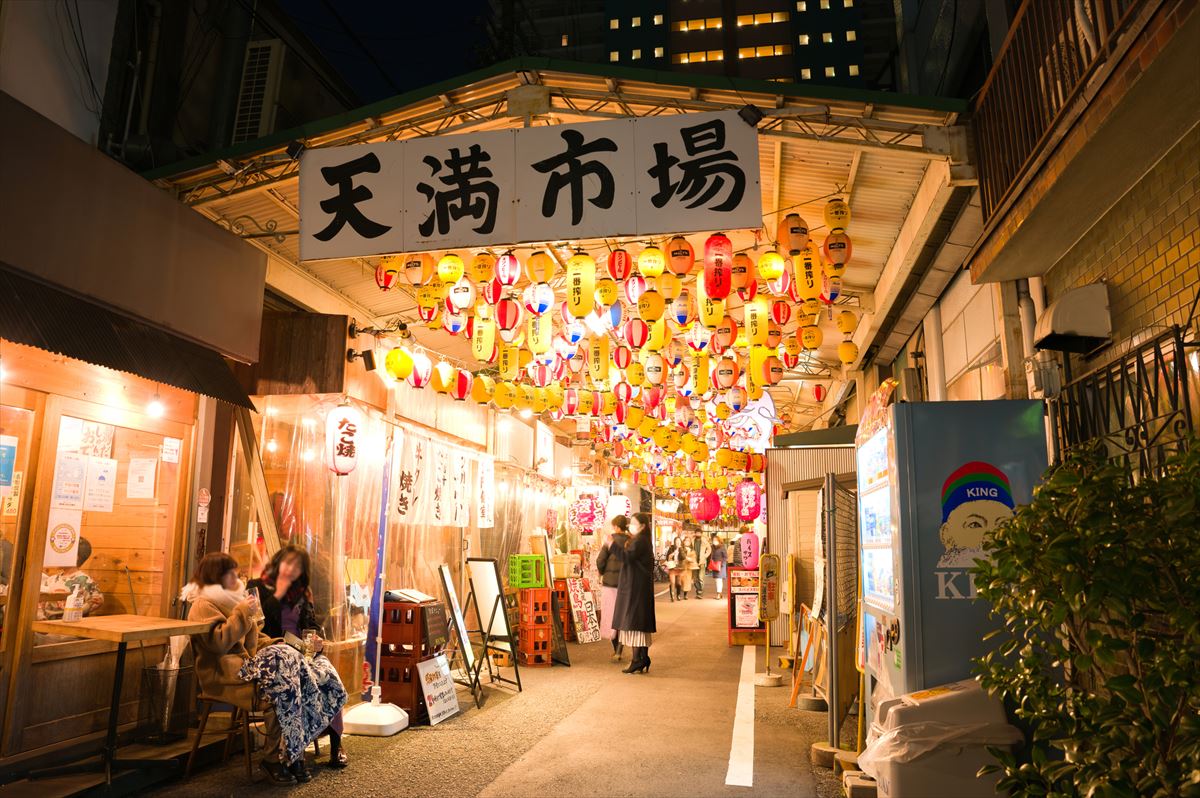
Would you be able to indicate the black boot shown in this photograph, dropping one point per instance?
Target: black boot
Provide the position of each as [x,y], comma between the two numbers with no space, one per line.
[337,757]
[635,664]
[278,772]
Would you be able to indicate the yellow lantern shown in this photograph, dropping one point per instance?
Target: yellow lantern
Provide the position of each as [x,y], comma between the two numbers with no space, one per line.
[505,395]
[598,358]
[524,398]
[660,335]
[419,268]
[483,267]
[846,322]
[483,389]
[539,334]
[837,215]
[540,267]
[701,381]
[450,268]
[398,363]
[606,291]
[758,358]
[847,352]
[755,391]
[770,265]
[541,400]
[669,285]
[427,296]
[555,394]
[651,262]
[634,417]
[581,284]
[508,361]
[757,317]
[710,311]
[635,374]
[607,401]
[722,411]
[811,337]
[443,376]
[483,339]
[792,345]
[647,427]
[651,306]
[700,452]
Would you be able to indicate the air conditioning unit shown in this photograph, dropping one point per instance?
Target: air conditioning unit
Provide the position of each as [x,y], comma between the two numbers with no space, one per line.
[258,97]
[1043,375]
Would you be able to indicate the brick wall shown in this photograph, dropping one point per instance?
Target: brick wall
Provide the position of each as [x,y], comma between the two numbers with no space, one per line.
[1146,248]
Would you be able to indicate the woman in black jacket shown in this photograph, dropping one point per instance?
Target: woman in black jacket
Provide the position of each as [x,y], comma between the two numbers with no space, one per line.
[633,615]
[287,606]
[609,563]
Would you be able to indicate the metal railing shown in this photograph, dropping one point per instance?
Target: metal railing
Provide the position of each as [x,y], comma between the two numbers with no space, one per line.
[1052,50]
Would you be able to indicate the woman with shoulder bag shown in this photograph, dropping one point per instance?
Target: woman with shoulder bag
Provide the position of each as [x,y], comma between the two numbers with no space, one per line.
[717,562]
[674,566]
[609,563]
[633,615]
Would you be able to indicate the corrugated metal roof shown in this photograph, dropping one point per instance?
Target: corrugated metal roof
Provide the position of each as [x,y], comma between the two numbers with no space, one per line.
[36,314]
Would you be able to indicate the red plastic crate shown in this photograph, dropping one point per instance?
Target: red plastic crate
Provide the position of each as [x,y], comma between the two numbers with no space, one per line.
[402,630]
[535,659]
[535,606]
[401,685]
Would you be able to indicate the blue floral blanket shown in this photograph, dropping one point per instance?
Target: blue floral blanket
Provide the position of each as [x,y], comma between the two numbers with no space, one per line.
[306,694]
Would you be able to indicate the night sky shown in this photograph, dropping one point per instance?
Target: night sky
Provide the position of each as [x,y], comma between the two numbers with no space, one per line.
[401,44]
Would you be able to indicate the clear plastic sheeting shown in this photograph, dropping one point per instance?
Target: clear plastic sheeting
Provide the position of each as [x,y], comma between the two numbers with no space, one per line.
[912,740]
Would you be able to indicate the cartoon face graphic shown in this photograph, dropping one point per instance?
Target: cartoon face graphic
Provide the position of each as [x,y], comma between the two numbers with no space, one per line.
[976,499]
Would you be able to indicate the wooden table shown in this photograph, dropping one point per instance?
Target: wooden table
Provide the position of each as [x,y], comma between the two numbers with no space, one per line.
[122,630]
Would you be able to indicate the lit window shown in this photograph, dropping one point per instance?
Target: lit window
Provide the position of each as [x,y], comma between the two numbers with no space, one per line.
[614,24]
[746,52]
[565,40]
[636,22]
[824,4]
[658,19]
[854,70]
[848,3]
[830,72]
[614,56]
[803,38]
[658,52]
[801,5]
[761,19]
[716,55]
[851,35]
[827,38]
[713,23]
[635,55]
[806,74]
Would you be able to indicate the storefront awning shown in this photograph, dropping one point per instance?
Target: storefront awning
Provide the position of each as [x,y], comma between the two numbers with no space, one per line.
[37,314]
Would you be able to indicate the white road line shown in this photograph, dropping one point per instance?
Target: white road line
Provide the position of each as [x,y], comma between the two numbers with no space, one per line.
[741,749]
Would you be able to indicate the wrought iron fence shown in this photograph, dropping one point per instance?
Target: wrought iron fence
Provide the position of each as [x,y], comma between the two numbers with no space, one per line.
[1052,49]
[1138,406]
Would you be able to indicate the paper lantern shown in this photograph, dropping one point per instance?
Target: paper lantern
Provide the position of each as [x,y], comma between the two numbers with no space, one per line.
[772,370]
[508,361]
[419,268]
[710,311]
[837,249]
[770,265]
[454,322]
[462,294]
[443,374]
[781,311]
[792,345]
[704,504]
[846,322]
[387,271]
[660,335]
[537,298]
[651,306]
[774,334]
[837,214]
[581,284]
[748,291]
[421,371]
[680,311]
[483,339]
[669,285]
[620,264]
[697,337]
[789,360]
[847,352]
[637,332]
[623,391]
[650,262]
[460,385]
[726,373]
[505,395]
[598,358]
[676,351]
[606,291]
[483,267]
[634,288]
[811,337]
[491,292]
[792,234]
[482,389]
[427,296]
[819,392]
[539,334]
[680,256]
[343,426]
[540,267]
[508,314]
[508,269]
[756,316]
[431,315]
[622,357]
[781,285]
[398,363]
[748,500]
[741,271]
[450,268]
[718,263]
[656,370]
[735,397]
[831,287]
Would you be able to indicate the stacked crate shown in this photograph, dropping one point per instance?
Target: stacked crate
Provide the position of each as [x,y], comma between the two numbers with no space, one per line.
[564,609]
[535,634]
[402,630]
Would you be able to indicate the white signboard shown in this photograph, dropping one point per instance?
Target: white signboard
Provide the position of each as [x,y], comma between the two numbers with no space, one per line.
[441,696]
[583,612]
[62,538]
[642,176]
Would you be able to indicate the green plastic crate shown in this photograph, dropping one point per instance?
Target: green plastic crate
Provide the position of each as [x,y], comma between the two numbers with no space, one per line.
[526,570]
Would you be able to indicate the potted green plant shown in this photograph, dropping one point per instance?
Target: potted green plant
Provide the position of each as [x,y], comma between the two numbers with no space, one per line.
[1097,582]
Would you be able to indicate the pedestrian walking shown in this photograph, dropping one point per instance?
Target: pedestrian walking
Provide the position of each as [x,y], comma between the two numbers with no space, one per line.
[703,549]
[609,563]
[718,561]
[691,566]
[633,615]
[674,564]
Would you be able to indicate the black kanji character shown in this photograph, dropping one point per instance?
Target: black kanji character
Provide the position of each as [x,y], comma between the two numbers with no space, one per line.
[344,204]
[711,167]
[467,192]
[576,171]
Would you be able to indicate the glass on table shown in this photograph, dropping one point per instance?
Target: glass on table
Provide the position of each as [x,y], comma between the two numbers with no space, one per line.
[310,638]
[255,606]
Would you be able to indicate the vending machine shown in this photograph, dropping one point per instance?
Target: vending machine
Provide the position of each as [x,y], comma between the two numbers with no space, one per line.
[933,478]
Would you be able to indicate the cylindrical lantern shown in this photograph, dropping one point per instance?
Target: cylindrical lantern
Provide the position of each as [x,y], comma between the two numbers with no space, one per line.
[718,264]
[540,267]
[680,256]
[343,426]
[650,262]
[704,504]
[710,311]
[770,265]
[756,317]
[483,339]
[581,284]
[508,269]
[748,499]
[598,358]
[792,234]
[837,214]
[539,334]
[620,264]
[508,361]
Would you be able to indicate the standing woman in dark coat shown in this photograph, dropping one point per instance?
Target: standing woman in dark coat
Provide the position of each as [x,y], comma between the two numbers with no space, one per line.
[633,615]
[609,563]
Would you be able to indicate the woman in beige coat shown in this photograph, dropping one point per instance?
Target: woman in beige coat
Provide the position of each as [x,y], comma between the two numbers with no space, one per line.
[217,595]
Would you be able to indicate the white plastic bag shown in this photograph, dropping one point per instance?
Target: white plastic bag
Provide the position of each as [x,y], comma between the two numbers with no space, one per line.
[912,740]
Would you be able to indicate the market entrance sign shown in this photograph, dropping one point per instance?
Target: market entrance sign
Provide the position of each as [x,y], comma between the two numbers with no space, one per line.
[638,176]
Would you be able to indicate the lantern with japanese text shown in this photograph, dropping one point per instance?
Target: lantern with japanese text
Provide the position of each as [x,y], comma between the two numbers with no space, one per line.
[726,373]
[837,249]
[772,369]
[741,271]
[421,371]
[669,285]
[837,214]
[482,389]
[770,265]
[710,310]
[598,358]
[620,264]
[808,280]
[606,291]
[538,298]
[508,361]
[811,337]
[483,339]
[635,286]
[450,268]
[756,316]
[651,305]
[748,499]
[462,294]
[792,234]
[656,369]
[419,268]
[581,284]
[387,271]
[704,504]
[680,256]
[492,291]
[718,263]
[460,384]
[650,262]
[846,322]
[505,395]
[343,426]
[508,269]
[847,352]
[482,268]
[539,334]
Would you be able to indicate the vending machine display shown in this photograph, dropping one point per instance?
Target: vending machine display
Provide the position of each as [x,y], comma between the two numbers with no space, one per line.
[933,478]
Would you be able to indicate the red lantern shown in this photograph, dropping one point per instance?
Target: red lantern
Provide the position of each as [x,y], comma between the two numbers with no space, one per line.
[718,261]
[748,291]
[781,312]
[748,499]
[343,426]
[386,272]
[620,264]
[422,370]
[704,504]
[622,357]
[491,291]
[508,314]
[637,332]
[619,412]
[460,386]
[623,392]
[508,269]
[570,401]
[819,392]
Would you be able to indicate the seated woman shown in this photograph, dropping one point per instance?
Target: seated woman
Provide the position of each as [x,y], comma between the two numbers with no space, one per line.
[283,590]
[216,594]
[65,580]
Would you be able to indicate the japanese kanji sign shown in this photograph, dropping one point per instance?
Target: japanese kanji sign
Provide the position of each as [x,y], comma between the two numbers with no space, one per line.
[638,176]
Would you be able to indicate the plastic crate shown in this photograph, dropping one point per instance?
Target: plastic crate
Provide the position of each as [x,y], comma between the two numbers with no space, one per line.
[535,658]
[402,630]
[401,685]
[535,607]
[526,570]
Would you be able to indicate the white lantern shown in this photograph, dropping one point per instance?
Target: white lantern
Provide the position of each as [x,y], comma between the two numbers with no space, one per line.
[343,426]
